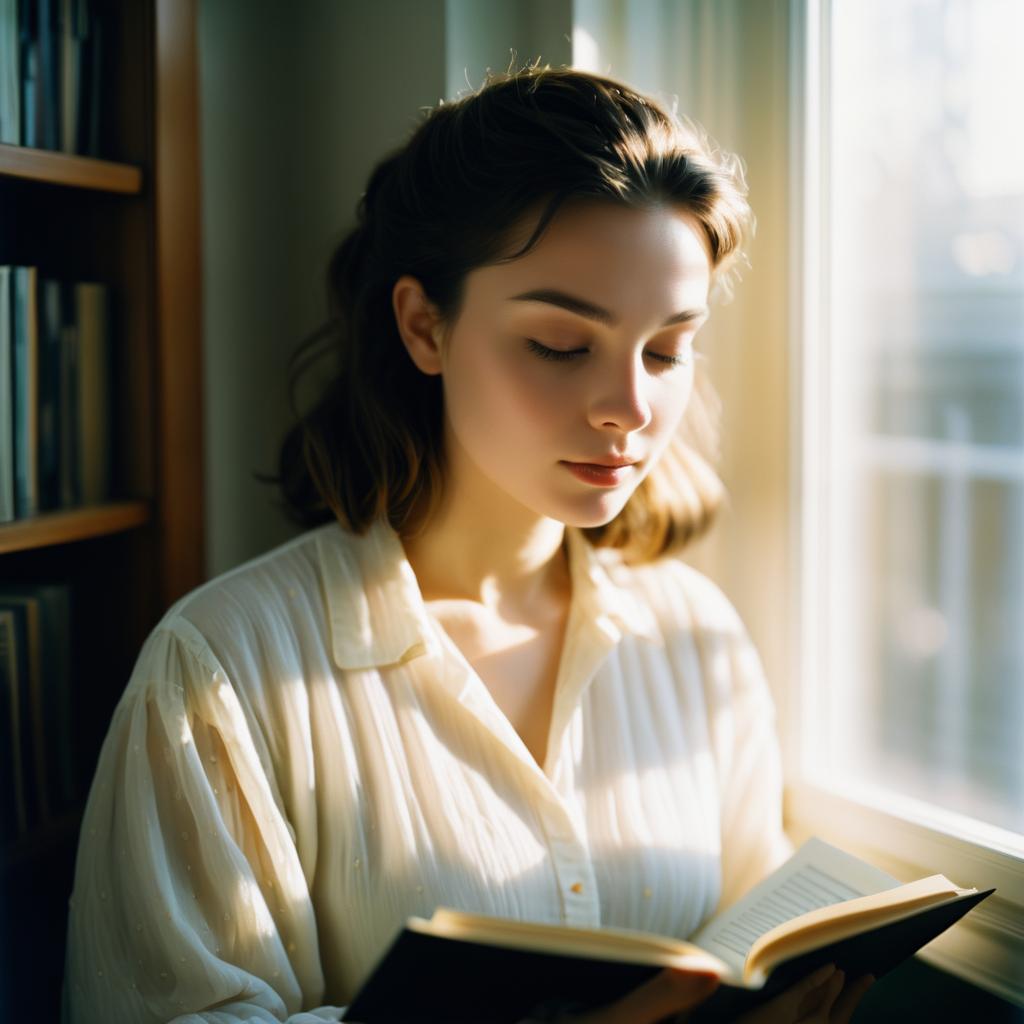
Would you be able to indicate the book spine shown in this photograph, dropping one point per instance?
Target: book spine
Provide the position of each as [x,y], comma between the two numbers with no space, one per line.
[6,397]
[57,738]
[26,356]
[25,602]
[10,74]
[35,659]
[12,797]
[48,111]
[20,704]
[68,75]
[94,391]
[80,18]
[49,393]
[68,405]
[90,68]
[28,60]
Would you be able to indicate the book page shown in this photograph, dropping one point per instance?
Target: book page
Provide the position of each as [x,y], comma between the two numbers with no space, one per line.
[817,875]
[619,945]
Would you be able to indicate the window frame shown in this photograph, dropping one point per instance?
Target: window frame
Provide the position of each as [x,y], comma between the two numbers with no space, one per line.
[907,838]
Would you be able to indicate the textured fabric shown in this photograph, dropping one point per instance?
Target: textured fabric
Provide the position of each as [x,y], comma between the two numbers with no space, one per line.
[302,759]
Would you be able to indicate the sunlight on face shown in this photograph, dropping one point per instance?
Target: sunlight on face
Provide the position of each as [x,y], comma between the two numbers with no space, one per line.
[517,415]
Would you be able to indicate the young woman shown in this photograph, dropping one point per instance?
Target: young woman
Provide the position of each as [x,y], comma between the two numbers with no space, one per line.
[481,678]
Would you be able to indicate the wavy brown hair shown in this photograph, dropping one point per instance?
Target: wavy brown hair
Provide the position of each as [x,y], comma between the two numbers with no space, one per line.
[453,198]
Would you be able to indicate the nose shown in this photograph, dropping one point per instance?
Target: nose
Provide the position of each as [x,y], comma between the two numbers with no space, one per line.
[620,400]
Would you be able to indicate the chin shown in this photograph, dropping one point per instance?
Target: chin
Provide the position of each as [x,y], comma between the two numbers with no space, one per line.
[594,515]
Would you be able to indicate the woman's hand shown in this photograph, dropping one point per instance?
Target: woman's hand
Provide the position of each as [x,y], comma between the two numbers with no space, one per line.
[663,996]
[814,999]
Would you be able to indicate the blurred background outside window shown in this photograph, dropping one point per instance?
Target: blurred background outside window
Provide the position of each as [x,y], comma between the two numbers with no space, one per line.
[922,432]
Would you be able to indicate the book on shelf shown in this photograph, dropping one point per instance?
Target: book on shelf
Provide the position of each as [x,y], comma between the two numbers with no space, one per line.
[822,906]
[38,776]
[50,64]
[55,386]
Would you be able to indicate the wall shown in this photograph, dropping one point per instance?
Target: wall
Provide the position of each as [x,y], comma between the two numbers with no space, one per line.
[298,101]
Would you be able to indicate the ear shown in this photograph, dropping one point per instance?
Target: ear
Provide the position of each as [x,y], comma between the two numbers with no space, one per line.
[418,322]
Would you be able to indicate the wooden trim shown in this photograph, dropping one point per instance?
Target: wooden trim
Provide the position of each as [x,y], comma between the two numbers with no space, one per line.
[64,526]
[67,169]
[179,300]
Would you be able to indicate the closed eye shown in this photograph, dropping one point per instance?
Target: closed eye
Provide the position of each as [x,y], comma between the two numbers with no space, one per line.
[561,355]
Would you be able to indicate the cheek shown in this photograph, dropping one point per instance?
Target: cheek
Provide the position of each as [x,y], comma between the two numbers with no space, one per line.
[670,407]
[506,399]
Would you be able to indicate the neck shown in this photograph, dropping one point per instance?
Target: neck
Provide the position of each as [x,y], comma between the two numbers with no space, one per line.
[482,547]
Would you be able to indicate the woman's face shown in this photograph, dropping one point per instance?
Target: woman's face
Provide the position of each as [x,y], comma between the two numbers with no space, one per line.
[518,416]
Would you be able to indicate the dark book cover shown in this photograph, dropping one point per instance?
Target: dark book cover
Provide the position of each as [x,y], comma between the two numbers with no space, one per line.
[48,95]
[52,732]
[20,696]
[67,414]
[12,813]
[6,394]
[28,69]
[24,382]
[88,29]
[50,326]
[424,979]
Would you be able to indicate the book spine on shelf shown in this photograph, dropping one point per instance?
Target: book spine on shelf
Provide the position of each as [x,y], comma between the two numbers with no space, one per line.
[44,699]
[13,818]
[6,397]
[20,694]
[90,69]
[49,393]
[70,431]
[28,59]
[58,694]
[68,75]
[48,111]
[26,390]
[50,73]
[38,745]
[55,378]
[10,74]
[94,367]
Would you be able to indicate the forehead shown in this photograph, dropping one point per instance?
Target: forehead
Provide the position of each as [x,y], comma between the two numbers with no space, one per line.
[638,262]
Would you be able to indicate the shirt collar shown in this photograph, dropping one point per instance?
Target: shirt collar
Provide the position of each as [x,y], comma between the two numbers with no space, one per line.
[378,616]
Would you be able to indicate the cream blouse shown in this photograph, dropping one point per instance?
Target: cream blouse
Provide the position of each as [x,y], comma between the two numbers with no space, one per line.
[302,759]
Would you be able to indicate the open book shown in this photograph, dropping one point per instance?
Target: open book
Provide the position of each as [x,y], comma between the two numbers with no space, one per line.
[821,906]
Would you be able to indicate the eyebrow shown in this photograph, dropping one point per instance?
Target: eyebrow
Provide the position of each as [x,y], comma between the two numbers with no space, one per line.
[583,307]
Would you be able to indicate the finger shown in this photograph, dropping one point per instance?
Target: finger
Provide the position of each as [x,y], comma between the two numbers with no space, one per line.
[667,993]
[809,991]
[817,1004]
[835,986]
[812,1000]
[853,993]
[805,994]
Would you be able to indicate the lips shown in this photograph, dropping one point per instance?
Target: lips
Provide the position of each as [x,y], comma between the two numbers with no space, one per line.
[610,463]
[598,475]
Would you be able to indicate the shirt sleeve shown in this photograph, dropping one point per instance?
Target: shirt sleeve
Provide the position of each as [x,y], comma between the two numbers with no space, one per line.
[743,729]
[189,902]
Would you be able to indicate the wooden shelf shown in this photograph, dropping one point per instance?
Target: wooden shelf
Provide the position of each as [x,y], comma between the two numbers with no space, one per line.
[67,169]
[132,223]
[72,524]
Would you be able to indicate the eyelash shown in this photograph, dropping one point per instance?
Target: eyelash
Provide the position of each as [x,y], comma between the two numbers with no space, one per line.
[550,353]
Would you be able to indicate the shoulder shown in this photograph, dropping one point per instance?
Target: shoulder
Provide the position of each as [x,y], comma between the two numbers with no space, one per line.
[253,622]
[277,584]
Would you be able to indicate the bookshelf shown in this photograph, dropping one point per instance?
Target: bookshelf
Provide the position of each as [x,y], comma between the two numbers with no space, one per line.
[131,220]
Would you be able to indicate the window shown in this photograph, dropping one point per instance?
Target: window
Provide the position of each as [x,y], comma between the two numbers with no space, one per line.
[912,495]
